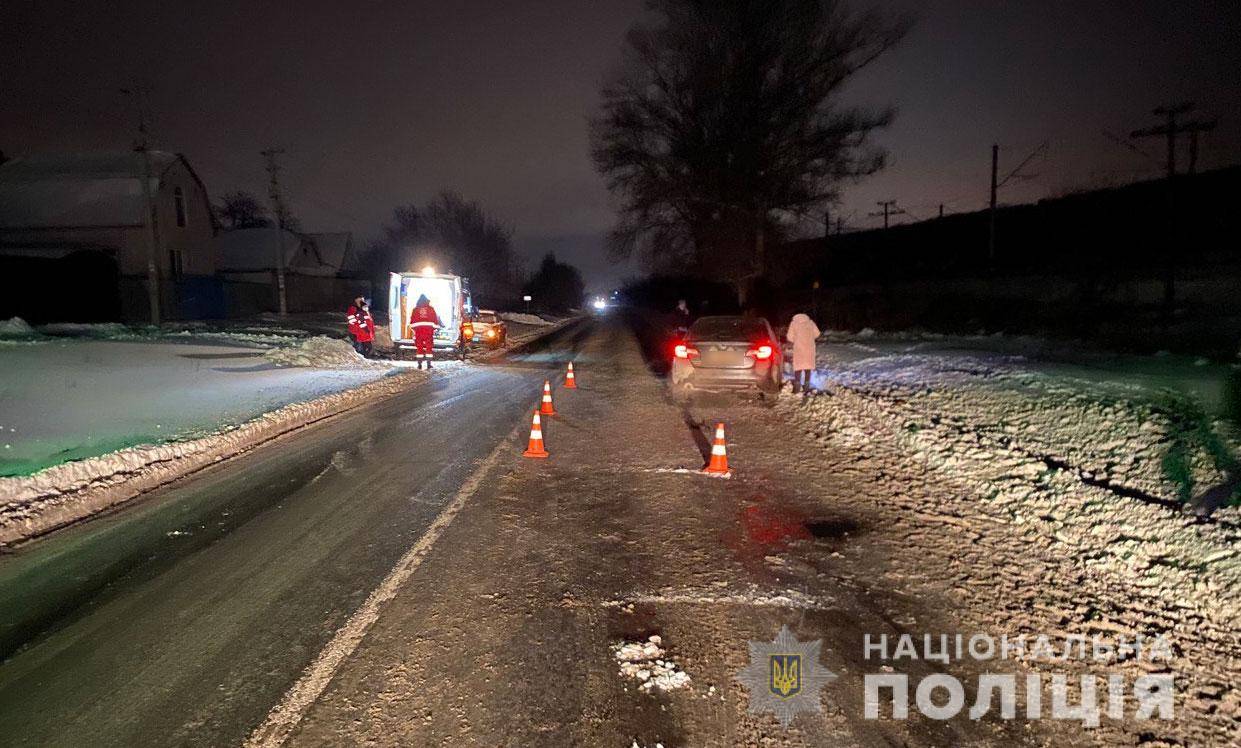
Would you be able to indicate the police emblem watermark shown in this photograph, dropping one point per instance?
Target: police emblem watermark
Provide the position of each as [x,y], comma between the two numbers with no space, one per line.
[784,676]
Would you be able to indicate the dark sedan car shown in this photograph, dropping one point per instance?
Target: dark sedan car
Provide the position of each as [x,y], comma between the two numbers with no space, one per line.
[727,353]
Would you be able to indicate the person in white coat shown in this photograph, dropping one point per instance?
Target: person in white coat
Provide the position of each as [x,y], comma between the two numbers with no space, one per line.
[802,334]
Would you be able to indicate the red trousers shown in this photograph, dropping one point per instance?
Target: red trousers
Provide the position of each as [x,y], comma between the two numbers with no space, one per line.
[423,339]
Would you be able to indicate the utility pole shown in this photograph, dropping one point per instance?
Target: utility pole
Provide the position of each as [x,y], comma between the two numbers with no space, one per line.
[827,222]
[277,206]
[139,95]
[941,210]
[888,210]
[1193,128]
[1169,130]
[995,172]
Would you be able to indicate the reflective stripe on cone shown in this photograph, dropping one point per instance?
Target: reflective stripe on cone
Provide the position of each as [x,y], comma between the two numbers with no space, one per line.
[535,447]
[718,464]
[546,408]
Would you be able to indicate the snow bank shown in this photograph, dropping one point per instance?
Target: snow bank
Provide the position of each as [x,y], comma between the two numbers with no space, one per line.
[38,503]
[100,330]
[524,319]
[1063,498]
[15,327]
[322,353]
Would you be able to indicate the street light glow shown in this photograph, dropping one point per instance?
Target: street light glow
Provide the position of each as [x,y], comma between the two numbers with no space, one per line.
[428,270]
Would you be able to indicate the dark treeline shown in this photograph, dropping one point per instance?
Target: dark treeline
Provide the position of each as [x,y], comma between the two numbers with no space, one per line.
[452,235]
[1097,238]
[555,286]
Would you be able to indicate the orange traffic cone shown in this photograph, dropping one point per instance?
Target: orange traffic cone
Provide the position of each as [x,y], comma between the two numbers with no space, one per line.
[546,408]
[718,464]
[535,448]
[570,383]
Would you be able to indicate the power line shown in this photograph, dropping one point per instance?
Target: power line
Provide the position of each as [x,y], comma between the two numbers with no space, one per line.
[1016,173]
[1169,130]
[1126,143]
[887,211]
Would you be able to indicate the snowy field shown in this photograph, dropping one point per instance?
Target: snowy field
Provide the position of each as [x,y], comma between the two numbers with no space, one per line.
[69,398]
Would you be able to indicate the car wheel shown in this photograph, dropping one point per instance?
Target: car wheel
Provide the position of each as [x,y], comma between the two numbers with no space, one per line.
[771,386]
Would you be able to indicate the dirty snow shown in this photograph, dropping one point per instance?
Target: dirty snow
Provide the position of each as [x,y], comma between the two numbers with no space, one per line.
[15,327]
[1088,498]
[647,663]
[73,490]
[323,353]
[524,319]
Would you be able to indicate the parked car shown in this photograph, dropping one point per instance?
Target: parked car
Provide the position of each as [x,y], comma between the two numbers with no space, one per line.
[489,329]
[726,353]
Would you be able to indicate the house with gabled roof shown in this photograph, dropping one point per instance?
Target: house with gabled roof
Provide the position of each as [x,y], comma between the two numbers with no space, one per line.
[77,222]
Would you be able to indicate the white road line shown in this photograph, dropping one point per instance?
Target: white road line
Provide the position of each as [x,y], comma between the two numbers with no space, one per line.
[286,715]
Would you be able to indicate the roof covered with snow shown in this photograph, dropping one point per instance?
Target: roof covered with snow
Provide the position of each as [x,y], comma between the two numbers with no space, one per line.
[335,249]
[255,249]
[76,190]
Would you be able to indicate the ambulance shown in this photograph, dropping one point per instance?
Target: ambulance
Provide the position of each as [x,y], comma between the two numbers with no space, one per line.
[449,296]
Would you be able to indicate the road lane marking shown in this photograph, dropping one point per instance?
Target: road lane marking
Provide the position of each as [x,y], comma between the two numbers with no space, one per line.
[286,715]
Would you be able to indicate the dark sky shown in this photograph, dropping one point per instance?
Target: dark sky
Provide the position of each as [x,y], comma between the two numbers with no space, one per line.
[382,103]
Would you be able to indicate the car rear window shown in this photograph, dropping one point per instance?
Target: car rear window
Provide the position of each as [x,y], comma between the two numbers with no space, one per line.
[728,328]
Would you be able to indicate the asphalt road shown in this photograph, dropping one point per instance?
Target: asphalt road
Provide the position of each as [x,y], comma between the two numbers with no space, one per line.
[184,618]
[191,618]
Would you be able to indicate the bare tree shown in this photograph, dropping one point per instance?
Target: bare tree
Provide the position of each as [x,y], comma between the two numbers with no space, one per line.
[241,210]
[725,120]
[454,234]
[556,286]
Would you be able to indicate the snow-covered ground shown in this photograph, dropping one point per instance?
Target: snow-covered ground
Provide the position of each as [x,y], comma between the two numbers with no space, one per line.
[1161,426]
[71,398]
[1092,491]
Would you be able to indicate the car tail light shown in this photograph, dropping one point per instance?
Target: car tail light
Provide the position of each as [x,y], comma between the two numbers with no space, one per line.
[684,351]
[760,352]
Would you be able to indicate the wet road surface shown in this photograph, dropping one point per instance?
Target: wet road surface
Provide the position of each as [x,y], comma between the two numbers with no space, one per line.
[182,619]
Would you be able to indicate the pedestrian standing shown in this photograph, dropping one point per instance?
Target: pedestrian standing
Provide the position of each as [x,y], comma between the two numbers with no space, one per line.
[681,319]
[424,320]
[802,334]
[361,326]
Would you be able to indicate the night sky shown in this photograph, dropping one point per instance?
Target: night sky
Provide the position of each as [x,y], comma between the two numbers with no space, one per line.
[383,103]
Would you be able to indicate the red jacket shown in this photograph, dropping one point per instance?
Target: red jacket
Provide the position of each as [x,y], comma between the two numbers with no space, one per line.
[361,324]
[424,316]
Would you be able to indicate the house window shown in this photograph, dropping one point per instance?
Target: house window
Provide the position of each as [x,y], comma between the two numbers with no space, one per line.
[178,200]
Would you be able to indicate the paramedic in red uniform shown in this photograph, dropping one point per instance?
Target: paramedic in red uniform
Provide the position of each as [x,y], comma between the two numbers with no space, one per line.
[424,320]
[361,326]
